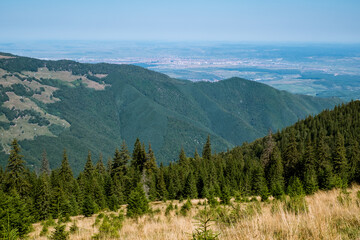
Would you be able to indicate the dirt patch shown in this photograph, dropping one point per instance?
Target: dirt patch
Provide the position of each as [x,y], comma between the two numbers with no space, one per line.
[6,57]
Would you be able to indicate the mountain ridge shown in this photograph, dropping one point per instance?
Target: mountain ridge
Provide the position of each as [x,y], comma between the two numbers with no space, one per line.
[107,103]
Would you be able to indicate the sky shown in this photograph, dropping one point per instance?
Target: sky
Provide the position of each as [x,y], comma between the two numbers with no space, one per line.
[336,21]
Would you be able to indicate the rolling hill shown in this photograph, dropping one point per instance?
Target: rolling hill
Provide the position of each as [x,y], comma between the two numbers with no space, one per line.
[54,105]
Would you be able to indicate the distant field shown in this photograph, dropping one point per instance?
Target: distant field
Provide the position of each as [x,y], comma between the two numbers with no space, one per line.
[325,70]
[330,215]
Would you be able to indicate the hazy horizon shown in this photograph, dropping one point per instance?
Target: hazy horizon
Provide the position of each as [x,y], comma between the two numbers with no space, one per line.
[259,21]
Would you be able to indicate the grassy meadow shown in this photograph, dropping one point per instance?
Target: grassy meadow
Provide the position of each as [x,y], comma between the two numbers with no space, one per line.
[325,215]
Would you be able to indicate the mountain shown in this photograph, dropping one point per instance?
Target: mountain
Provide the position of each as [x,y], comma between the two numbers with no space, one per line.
[52,105]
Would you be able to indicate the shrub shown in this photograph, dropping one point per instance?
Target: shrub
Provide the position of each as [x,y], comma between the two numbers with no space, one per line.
[296,205]
[203,230]
[186,207]
[59,233]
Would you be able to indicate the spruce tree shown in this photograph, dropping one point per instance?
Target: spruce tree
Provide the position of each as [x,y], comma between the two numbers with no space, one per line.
[66,175]
[100,168]
[310,176]
[89,167]
[190,190]
[139,156]
[137,203]
[150,165]
[339,158]
[275,174]
[291,156]
[206,154]
[45,166]
[160,185]
[15,170]
[324,169]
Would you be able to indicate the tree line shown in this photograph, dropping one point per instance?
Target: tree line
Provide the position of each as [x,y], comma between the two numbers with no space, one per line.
[319,152]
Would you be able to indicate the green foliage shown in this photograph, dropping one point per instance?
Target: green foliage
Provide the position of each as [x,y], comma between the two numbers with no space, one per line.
[137,203]
[296,204]
[110,226]
[59,233]
[14,215]
[88,206]
[186,207]
[156,108]
[295,187]
[203,231]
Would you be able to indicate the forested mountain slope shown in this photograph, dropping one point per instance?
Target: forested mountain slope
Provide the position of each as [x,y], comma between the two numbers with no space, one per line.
[54,105]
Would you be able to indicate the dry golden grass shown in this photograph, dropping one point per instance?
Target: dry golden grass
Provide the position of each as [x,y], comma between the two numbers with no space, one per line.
[326,218]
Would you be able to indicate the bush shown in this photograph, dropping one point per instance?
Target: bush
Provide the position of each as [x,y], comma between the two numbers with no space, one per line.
[59,233]
[186,207]
[110,226]
[296,205]
[203,230]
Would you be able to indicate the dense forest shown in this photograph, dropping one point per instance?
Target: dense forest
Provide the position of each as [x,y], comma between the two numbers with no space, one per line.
[319,152]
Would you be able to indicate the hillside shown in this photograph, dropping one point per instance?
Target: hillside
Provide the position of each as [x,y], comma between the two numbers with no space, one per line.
[317,153]
[54,105]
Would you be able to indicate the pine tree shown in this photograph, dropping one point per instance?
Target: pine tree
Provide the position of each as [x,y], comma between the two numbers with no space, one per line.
[295,187]
[137,203]
[45,166]
[275,174]
[259,183]
[206,154]
[310,177]
[339,158]
[120,160]
[15,170]
[190,190]
[291,157]
[66,175]
[42,197]
[183,160]
[139,156]
[89,168]
[160,185]
[324,169]
[88,208]
[100,168]
[150,165]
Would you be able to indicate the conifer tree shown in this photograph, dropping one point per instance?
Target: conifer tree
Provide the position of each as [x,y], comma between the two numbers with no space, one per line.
[88,208]
[150,165]
[190,190]
[259,183]
[89,168]
[45,166]
[100,168]
[275,174]
[325,170]
[291,156]
[15,170]
[137,203]
[183,160]
[339,158]
[206,154]
[42,197]
[310,176]
[66,175]
[139,156]
[160,185]
[295,187]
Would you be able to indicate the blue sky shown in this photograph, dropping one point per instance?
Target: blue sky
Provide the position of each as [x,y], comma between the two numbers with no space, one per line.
[195,20]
